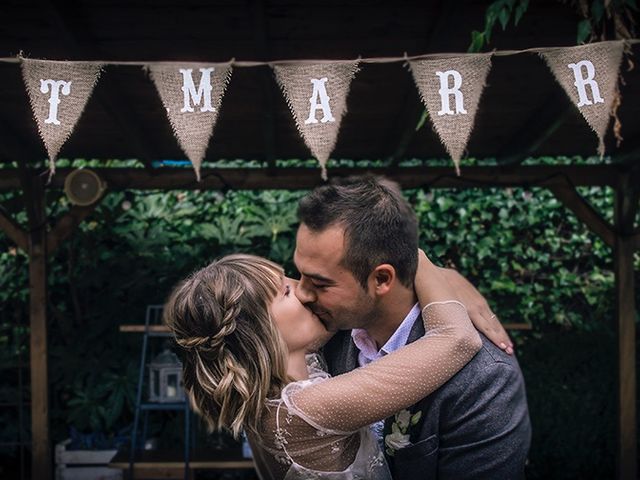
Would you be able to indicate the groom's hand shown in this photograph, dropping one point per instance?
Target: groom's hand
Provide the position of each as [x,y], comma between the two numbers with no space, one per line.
[479,311]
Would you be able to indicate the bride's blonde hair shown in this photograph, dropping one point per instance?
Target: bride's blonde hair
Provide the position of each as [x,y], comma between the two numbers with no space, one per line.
[234,357]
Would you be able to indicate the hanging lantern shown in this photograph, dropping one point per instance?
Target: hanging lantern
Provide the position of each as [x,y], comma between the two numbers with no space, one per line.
[165,378]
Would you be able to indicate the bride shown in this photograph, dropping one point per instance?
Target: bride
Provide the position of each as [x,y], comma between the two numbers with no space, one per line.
[246,340]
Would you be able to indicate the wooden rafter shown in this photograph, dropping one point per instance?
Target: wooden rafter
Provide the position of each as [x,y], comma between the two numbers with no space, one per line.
[629,201]
[540,126]
[14,146]
[109,93]
[261,40]
[626,323]
[630,157]
[571,199]
[412,110]
[306,178]
[33,188]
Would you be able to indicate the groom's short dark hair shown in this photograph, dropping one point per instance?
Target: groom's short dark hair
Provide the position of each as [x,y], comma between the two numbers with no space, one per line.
[379,224]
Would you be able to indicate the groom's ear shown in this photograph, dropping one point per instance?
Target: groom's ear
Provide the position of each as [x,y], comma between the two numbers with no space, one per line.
[382,278]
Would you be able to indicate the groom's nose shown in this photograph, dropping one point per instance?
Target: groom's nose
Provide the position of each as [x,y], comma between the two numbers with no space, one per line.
[305,292]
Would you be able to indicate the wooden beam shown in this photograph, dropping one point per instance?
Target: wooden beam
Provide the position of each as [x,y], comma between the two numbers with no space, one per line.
[66,225]
[571,199]
[41,462]
[261,40]
[626,323]
[111,97]
[413,109]
[307,178]
[14,231]
[14,145]
[544,122]
[629,201]
[632,154]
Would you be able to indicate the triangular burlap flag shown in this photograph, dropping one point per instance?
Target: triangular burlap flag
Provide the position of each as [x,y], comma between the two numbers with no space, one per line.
[589,75]
[192,94]
[58,93]
[450,89]
[317,97]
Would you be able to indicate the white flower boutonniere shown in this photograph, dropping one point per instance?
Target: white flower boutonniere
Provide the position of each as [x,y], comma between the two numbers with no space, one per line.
[400,436]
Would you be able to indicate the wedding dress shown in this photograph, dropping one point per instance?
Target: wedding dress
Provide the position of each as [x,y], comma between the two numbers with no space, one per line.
[319,427]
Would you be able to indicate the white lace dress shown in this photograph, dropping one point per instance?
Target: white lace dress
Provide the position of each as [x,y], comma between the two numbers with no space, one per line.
[319,427]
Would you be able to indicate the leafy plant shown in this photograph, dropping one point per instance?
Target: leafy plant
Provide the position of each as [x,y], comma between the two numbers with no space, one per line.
[531,257]
[500,11]
[104,402]
[599,20]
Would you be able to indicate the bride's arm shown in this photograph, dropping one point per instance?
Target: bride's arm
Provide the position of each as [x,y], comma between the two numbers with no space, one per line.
[398,380]
[479,311]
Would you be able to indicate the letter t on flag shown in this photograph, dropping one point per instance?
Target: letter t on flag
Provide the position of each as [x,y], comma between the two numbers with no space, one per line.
[317,97]
[192,111]
[58,93]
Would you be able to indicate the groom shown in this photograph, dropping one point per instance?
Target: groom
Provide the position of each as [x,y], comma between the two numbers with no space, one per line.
[476,426]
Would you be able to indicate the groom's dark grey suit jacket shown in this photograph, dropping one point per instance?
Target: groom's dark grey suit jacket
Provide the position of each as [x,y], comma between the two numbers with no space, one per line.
[476,426]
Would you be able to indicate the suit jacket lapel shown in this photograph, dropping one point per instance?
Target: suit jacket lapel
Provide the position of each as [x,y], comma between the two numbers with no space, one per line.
[351,353]
[417,331]
[341,353]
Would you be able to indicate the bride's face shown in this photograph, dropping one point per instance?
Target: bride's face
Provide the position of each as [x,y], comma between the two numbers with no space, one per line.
[299,327]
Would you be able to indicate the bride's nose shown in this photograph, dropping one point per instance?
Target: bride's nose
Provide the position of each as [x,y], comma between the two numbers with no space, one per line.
[304,293]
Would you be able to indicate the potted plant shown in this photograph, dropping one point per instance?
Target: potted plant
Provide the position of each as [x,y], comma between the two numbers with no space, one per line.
[99,417]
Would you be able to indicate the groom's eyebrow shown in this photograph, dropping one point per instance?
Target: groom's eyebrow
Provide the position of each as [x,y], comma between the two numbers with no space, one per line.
[318,277]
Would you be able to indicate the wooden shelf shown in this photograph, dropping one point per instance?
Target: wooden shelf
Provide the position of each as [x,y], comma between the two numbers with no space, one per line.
[174,460]
[141,329]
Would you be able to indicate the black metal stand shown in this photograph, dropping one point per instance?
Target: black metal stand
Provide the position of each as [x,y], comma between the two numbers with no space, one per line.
[152,317]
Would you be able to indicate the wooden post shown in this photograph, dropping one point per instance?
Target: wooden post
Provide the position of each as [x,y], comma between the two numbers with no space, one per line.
[41,466]
[626,318]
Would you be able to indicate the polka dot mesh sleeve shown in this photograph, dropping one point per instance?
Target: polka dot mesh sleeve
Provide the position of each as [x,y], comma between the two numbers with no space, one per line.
[396,381]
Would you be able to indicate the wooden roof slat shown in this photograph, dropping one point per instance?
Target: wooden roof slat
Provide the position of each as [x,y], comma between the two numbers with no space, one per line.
[111,95]
[412,111]
[307,178]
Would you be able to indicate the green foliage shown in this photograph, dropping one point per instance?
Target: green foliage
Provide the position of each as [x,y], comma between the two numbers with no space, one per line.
[518,245]
[599,20]
[571,384]
[535,262]
[500,11]
[606,20]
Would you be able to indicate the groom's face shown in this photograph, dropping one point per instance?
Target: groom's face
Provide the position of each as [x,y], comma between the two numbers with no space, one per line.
[326,286]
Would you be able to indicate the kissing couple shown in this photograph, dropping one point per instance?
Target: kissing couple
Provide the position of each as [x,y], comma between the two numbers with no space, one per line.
[374,364]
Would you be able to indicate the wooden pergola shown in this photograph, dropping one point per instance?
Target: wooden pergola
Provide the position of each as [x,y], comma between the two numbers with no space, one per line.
[523,114]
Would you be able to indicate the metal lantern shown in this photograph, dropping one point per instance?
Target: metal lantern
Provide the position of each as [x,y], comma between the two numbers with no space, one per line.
[165,378]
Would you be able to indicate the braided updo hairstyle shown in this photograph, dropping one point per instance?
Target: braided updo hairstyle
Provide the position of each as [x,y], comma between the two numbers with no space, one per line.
[234,357]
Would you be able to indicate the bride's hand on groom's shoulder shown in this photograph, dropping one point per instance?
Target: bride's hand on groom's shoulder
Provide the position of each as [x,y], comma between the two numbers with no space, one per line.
[479,311]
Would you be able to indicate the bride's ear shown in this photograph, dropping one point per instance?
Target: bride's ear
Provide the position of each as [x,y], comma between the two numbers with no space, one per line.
[382,278]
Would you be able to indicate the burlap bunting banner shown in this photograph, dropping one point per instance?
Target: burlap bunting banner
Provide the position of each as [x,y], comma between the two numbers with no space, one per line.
[58,93]
[451,89]
[589,75]
[317,97]
[192,94]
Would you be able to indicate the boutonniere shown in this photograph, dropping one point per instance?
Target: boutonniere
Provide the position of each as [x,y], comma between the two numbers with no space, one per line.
[400,431]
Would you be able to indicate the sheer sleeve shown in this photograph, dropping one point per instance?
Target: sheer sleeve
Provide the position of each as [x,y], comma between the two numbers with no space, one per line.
[343,404]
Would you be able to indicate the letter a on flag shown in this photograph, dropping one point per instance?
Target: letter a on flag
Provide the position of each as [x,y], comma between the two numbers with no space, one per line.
[58,93]
[589,75]
[192,94]
[317,97]
[451,89]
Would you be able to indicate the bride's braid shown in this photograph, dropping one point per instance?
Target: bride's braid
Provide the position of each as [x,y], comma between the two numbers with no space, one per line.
[230,311]
[234,357]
